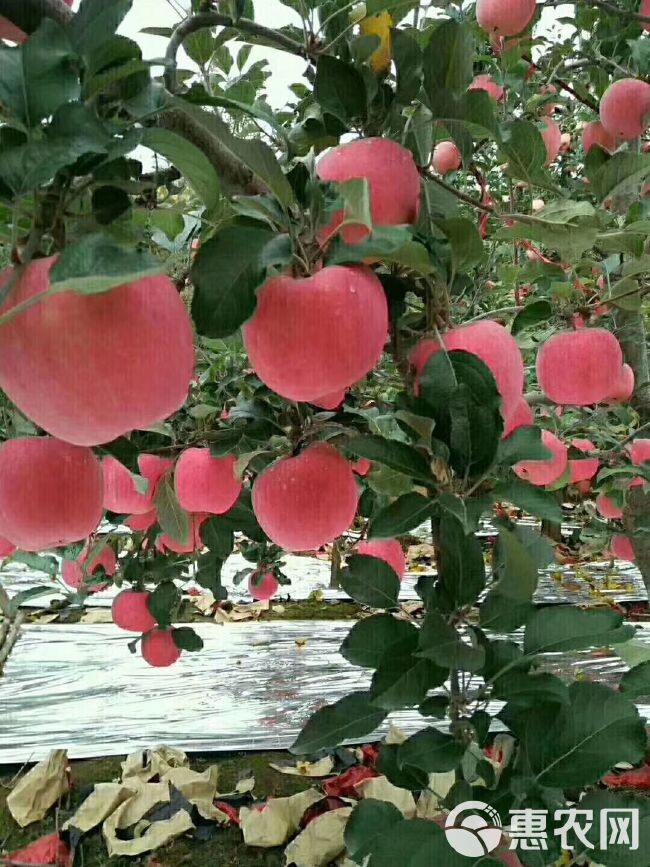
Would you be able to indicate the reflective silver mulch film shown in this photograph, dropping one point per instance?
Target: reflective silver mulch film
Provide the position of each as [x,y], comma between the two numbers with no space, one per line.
[582,585]
[251,688]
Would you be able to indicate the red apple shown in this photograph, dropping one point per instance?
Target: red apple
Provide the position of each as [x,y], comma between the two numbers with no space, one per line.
[546,472]
[581,367]
[504,17]
[625,108]
[388,550]
[446,158]
[159,649]
[206,484]
[131,611]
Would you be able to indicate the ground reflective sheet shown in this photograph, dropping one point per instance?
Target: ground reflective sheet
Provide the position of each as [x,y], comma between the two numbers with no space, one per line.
[251,688]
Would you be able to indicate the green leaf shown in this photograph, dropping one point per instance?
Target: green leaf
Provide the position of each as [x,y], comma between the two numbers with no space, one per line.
[570,746]
[370,819]
[188,159]
[461,569]
[407,57]
[523,444]
[96,22]
[163,603]
[185,638]
[623,173]
[396,455]
[563,627]
[449,57]
[17,601]
[441,643]
[436,706]
[530,689]
[570,239]
[200,46]
[419,843]
[531,499]
[173,520]
[40,562]
[254,153]
[370,638]
[636,682]
[532,314]
[370,581]
[467,248]
[356,198]
[226,273]
[432,751]
[401,516]
[340,89]
[405,776]
[524,150]
[604,805]
[97,263]
[40,75]
[403,679]
[351,717]
[218,537]
[391,244]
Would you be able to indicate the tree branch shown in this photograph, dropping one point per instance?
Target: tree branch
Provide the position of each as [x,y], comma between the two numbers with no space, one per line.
[28,14]
[475,203]
[206,20]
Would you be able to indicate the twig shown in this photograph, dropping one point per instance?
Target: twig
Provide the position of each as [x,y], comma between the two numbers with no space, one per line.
[207,20]
[12,636]
[502,311]
[462,196]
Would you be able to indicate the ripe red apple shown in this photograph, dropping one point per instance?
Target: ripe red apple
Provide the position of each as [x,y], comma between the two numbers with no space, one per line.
[8,30]
[362,467]
[131,611]
[639,451]
[142,523]
[89,368]
[594,133]
[72,571]
[6,548]
[388,550]
[625,108]
[546,472]
[446,158]
[206,484]
[153,468]
[583,469]
[330,401]
[302,503]
[607,508]
[644,9]
[580,367]
[195,543]
[549,107]
[485,82]
[625,387]
[504,17]
[262,586]
[120,493]
[393,182]
[565,143]
[314,336]
[552,139]
[50,493]
[159,649]
[621,547]
[493,344]
[521,415]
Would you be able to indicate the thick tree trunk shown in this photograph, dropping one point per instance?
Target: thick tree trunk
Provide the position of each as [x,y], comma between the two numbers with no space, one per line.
[631,332]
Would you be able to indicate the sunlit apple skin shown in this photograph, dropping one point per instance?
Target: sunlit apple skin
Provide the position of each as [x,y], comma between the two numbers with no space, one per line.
[552,139]
[446,158]
[88,368]
[580,368]
[608,509]
[302,503]
[393,183]
[624,107]
[204,483]
[485,82]
[594,133]
[120,493]
[131,611]
[583,469]
[51,493]
[317,335]
[159,649]
[388,550]
[504,17]
[541,473]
